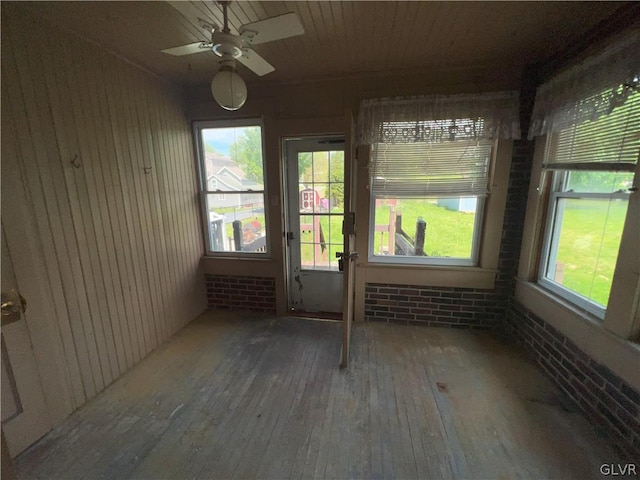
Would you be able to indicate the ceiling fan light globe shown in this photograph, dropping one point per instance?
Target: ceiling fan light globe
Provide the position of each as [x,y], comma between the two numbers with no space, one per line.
[229,90]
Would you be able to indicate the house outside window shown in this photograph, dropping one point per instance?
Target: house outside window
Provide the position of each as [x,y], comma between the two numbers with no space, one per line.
[231,172]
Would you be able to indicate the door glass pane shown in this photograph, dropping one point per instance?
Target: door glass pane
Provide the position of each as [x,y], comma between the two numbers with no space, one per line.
[306,228]
[320,167]
[314,241]
[321,202]
[336,182]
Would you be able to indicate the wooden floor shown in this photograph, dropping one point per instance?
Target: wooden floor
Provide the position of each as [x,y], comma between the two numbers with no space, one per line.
[244,396]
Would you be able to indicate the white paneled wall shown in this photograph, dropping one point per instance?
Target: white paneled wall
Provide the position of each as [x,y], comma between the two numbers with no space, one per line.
[101,153]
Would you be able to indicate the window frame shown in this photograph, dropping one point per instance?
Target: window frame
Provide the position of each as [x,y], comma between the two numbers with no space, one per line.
[478,230]
[426,260]
[551,232]
[203,192]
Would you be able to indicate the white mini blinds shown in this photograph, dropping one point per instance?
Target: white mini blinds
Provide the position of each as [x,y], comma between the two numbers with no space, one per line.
[431,169]
[435,146]
[590,90]
[591,111]
[608,143]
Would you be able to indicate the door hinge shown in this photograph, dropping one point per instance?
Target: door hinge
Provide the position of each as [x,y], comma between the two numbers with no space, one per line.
[349,224]
[13,306]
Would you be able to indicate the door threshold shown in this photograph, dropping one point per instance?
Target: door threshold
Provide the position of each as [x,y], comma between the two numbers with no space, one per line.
[322,316]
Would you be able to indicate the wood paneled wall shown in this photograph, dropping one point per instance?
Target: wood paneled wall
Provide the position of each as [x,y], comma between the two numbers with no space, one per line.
[102,153]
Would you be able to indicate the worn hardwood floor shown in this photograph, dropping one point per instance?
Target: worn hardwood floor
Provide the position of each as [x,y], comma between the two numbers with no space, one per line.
[244,396]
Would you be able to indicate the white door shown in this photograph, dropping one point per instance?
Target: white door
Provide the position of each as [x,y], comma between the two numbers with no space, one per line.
[315,196]
[24,412]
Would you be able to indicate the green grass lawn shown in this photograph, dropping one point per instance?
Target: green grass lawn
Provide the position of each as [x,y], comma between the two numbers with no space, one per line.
[588,245]
[448,234]
[587,248]
[331,227]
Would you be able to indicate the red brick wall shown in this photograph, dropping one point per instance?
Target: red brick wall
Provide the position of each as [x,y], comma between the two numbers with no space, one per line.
[432,306]
[241,292]
[607,400]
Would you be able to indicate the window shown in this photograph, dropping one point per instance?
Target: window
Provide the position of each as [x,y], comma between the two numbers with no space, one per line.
[231,169]
[591,167]
[427,199]
[431,160]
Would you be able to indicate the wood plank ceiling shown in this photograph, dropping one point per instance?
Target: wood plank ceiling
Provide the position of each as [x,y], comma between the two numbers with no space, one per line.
[342,38]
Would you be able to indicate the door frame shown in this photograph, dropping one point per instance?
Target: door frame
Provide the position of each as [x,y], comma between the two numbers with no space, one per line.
[313,140]
[349,237]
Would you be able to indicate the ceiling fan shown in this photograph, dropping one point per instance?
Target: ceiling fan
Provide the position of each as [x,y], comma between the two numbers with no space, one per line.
[227,87]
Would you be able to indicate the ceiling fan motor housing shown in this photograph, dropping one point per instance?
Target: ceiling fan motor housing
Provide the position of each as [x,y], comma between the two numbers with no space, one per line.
[226,44]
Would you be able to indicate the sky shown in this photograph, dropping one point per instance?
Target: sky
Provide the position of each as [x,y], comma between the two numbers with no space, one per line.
[220,138]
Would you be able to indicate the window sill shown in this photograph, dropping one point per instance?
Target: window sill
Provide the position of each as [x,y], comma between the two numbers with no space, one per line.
[239,265]
[582,328]
[427,275]
[572,300]
[420,261]
[237,256]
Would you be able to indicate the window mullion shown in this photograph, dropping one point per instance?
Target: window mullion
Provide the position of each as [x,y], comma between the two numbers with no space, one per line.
[250,192]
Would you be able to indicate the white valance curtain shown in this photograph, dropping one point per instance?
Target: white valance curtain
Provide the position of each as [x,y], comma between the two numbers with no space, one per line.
[611,142]
[435,146]
[591,89]
[439,118]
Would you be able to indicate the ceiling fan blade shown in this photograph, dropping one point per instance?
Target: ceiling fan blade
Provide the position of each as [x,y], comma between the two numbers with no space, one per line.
[274,28]
[255,63]
[188,49]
